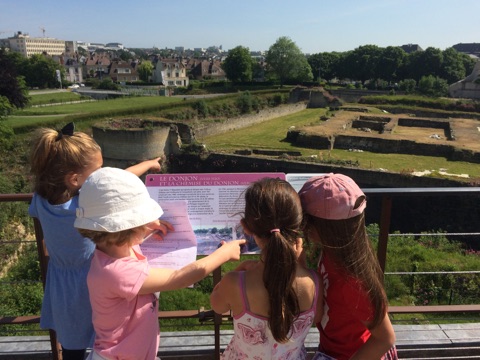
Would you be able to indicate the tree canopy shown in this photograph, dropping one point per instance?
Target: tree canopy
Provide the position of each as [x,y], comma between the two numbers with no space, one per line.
[12,85]
[286,63]
[238,65]
[145,70]
[391,64]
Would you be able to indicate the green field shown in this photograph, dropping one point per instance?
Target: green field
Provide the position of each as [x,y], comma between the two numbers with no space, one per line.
[38,98]
[271,135]
[267,135]
[30,116]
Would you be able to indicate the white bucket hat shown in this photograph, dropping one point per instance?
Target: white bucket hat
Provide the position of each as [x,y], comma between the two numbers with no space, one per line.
[113,200]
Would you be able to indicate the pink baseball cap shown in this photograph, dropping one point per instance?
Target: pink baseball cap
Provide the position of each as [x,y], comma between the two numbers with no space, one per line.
[332,197]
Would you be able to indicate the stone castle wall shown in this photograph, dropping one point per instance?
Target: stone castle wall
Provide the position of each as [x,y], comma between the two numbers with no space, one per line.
[239,122]
[125,147]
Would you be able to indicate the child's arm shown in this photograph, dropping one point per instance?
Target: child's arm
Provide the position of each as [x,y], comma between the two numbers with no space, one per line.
[169,279]
[144,166]
[381,340]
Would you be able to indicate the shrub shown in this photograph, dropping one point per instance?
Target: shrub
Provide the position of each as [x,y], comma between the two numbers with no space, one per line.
[244,103]
[407,85]
[202,108]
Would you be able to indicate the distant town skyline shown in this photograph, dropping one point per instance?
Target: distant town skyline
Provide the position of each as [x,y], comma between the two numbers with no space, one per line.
[315,26]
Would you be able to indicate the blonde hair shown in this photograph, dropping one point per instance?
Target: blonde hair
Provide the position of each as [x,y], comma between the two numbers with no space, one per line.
[113,239]
[53,156]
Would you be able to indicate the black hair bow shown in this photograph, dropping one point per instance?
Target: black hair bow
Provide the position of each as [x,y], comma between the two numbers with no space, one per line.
[68,129]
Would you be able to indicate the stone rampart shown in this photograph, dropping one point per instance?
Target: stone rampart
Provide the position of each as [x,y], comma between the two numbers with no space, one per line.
[208,129]
[424,123]
[380,145]
[353,95]
[216,162]
[124,147]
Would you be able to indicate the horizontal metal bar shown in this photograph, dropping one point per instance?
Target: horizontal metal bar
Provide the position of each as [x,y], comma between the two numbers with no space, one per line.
[421,191]
[407,309]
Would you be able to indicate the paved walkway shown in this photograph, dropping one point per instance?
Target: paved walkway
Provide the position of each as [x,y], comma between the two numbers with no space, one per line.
[412,339]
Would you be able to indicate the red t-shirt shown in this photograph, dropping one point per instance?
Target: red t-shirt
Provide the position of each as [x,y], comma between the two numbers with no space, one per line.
[346,309]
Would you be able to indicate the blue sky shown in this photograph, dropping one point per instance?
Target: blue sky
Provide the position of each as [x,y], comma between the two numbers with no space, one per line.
[314,25]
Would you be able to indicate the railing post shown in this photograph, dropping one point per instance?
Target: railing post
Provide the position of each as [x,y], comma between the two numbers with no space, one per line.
[217,318]
[385,217]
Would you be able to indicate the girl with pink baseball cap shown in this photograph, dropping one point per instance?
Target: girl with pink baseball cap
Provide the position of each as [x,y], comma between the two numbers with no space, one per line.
[355,322]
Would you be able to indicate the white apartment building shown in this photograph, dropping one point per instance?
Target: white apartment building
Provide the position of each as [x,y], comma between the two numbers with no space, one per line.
[28,46]
[170,72]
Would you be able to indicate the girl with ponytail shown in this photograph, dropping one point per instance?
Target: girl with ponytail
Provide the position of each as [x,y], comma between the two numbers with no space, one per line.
[274,300]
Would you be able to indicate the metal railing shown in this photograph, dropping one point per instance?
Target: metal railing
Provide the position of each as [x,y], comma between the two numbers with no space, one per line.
[386,196]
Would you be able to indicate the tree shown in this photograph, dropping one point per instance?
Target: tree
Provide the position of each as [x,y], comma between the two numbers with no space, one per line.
[41,72]
[452,68]
[286,62]
[363,62]
[124,55]
[431,61]
[390,61]
[433,86]
[238,65]
[5,107]
[413,66]
[325,65]
[145,70]
[468,63]
[12,86]
[107,84]
[407,85]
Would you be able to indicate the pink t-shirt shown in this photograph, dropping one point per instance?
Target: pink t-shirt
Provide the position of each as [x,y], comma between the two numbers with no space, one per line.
[126,324]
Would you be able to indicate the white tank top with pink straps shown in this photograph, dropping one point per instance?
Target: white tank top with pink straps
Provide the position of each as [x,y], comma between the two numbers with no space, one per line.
[254,340]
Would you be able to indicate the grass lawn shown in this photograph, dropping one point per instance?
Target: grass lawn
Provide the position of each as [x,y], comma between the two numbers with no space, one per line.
[54,98]
[101,105]
[54,113]
[271,135]
[266,135]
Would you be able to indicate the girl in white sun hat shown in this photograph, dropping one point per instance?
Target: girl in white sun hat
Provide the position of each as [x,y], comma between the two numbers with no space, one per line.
[355,323]
[115,211]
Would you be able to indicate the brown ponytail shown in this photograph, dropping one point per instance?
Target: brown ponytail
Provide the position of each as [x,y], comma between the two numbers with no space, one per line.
[273,204]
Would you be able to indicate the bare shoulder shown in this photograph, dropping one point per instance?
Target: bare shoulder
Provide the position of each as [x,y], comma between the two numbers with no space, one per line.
[231,277]
[306,287]
[226,294]
[306,275]
[229,283]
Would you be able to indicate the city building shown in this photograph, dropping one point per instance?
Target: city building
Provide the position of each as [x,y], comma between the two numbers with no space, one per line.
[97,65]
[28,46]
[410,48]
[115,46]
[472,49]
[170,72]
[123,71]
[206,69]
